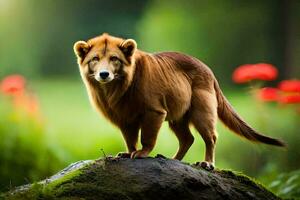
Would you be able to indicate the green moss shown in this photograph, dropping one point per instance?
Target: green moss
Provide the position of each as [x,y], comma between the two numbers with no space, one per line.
[47,189]
[106,178]
[24,193]
[55,187]
[242,178]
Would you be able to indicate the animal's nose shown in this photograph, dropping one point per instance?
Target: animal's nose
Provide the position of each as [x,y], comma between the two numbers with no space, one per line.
[104,74]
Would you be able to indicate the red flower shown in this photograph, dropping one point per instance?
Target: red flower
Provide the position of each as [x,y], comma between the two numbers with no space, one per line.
[268,94]
[290,99]
[242,74]
[12,85]
[249,72]
[27,102]
[289,86]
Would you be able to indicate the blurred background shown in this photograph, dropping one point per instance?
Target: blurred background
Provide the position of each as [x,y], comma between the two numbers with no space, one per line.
[51,124]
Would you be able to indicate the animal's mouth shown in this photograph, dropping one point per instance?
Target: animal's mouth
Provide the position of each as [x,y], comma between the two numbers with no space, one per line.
[110,78]
[104,81]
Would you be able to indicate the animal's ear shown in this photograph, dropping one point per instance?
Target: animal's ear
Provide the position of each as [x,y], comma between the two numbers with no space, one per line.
[128,47]
[81,48]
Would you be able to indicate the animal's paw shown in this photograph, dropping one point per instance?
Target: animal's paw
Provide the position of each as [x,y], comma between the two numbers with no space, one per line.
[139,154]
[206,165]
[123,155]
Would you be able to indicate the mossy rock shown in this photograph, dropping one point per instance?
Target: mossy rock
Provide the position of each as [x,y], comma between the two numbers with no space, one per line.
[141,179]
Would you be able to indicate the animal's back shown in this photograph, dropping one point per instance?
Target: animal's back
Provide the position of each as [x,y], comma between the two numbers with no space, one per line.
[198,74]
[171,79]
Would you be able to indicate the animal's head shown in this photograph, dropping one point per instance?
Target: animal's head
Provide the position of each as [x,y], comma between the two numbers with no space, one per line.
[106,58]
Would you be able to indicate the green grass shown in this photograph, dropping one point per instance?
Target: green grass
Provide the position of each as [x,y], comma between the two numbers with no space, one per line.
[71,122]
[77,132]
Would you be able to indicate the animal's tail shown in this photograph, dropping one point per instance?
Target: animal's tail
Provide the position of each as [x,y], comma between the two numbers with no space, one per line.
[234,122]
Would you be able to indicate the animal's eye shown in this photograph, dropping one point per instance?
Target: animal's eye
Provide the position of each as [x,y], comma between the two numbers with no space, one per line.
[94,59]
[114,58]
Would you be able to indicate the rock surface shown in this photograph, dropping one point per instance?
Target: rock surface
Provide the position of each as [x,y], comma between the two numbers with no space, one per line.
[141,179]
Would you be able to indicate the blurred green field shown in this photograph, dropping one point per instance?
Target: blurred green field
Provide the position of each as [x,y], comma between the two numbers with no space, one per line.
[78,132]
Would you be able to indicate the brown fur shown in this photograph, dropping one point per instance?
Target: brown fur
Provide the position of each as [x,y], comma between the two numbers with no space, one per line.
[151,88]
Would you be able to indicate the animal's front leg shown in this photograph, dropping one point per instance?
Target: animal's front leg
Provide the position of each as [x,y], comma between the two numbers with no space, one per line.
[130,133]
[151,124]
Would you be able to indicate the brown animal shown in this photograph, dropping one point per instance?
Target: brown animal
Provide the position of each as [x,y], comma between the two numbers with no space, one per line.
[138,90]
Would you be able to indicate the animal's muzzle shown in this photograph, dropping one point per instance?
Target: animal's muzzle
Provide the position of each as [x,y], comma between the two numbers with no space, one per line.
[104,74]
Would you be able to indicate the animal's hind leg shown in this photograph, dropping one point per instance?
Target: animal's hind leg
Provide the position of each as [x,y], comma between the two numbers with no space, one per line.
[185,138]
[204,117]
